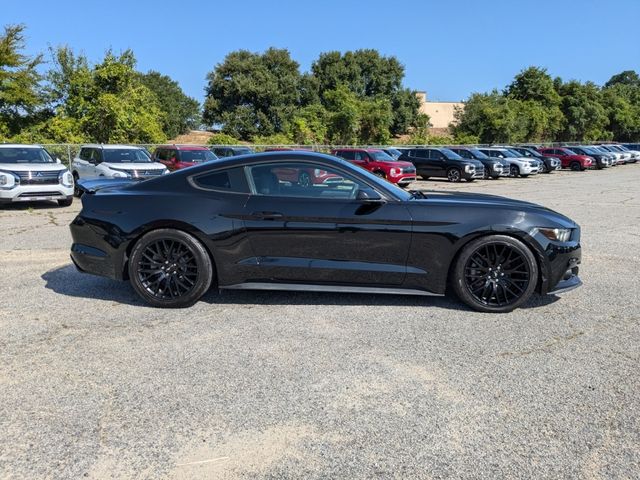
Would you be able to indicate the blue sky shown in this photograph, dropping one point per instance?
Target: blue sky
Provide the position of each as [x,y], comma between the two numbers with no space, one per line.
[449,48]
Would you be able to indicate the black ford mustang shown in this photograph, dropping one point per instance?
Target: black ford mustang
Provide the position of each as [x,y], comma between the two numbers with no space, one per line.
[247,223]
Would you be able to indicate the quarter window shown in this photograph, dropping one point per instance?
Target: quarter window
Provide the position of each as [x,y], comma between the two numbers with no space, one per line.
[230,180]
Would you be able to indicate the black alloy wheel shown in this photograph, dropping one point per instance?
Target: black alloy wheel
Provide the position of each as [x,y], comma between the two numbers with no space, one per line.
[495,274]
[514,171]
[304,179]
[170,268]
[576,167]
[380,174]
[453,175]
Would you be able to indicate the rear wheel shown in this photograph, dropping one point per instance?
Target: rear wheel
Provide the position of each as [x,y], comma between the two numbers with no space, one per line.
[496,273]
[453,175]
[170,268]
[304,179]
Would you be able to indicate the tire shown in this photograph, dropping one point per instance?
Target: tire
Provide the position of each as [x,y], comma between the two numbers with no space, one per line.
[575,166]
[170,268]
[514,171]
[76,191]
[496,273]
[545,168]
[453,175]
[66,202]
[304,180]
[423,177]
[470,179]
[380,174]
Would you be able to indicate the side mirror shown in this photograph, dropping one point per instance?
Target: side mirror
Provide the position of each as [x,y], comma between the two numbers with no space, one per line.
[58,161]
[368,195]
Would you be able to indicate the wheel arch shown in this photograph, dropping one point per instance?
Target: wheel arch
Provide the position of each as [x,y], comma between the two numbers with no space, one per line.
[538,254]
[167,224]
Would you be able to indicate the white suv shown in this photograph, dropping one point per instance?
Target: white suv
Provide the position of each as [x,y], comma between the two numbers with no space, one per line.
[29,173]
[518,165]
[115,161]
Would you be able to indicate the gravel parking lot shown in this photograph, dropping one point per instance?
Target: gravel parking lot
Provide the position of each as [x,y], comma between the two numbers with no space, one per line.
[95,384]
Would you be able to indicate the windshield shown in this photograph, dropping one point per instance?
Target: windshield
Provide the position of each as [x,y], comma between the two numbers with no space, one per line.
[450,154]
[380,156]
[125,155]
[510,153]
[25,155]
[478,154]
[197,156]
[529,153]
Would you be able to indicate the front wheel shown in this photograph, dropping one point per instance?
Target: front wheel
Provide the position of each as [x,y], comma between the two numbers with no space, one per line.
[470,179]
[496,274]
[514,171]
[576,167]
[170,268]
[380,174]
[453,175]
[66,202]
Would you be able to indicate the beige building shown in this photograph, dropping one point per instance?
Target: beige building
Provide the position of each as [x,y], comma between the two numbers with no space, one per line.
[441,114]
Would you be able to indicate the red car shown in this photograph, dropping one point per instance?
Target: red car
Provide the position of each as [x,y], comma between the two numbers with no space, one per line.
[175,157]
[568,159]
[379,163]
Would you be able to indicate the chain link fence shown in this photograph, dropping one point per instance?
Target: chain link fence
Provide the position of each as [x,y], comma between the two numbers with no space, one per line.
[66,152]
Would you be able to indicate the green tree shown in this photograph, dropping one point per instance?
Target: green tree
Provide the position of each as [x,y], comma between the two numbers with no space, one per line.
[222,139]
[622,105]
[628,77]
[309,125]
[21,101]
[535,87]
[375,121]
[585,118]
[181,112]
[253,94]
[343,122]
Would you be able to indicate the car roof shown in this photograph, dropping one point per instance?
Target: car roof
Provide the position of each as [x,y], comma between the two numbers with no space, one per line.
[110,146]
[184,147]
[358,149]
[18,145]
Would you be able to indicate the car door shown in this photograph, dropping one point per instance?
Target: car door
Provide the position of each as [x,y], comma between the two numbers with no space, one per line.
[420,159]
[437,165]
[320,233]
[82,163]
[160,155]
[361,159]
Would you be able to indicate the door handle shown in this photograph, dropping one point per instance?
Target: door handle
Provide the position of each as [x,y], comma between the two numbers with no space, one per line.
[268,215]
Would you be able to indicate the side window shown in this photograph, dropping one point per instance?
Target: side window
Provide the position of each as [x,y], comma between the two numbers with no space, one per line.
[464,153]
[346,154]
[421,153]
[221,152]
[303,180]
[435,155]
[361,156]
[85,154]
[232,180]
[161,154]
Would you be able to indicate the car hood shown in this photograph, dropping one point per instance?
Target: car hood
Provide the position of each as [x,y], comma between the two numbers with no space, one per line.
[491,201]
[26,167]
[134,166]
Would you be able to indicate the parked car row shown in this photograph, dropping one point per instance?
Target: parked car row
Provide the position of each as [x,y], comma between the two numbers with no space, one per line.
[30,172]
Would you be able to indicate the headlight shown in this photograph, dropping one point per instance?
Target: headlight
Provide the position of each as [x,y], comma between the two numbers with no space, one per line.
[395,172]
[556,234]
[469,168]
[8,180]
[165,171]
[65,178]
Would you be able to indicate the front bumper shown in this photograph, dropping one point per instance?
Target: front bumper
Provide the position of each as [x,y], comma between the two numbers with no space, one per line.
[403,179]
[35,193]
[528,170]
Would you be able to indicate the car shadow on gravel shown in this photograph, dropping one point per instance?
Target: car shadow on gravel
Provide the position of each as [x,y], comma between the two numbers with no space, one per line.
[68,281]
